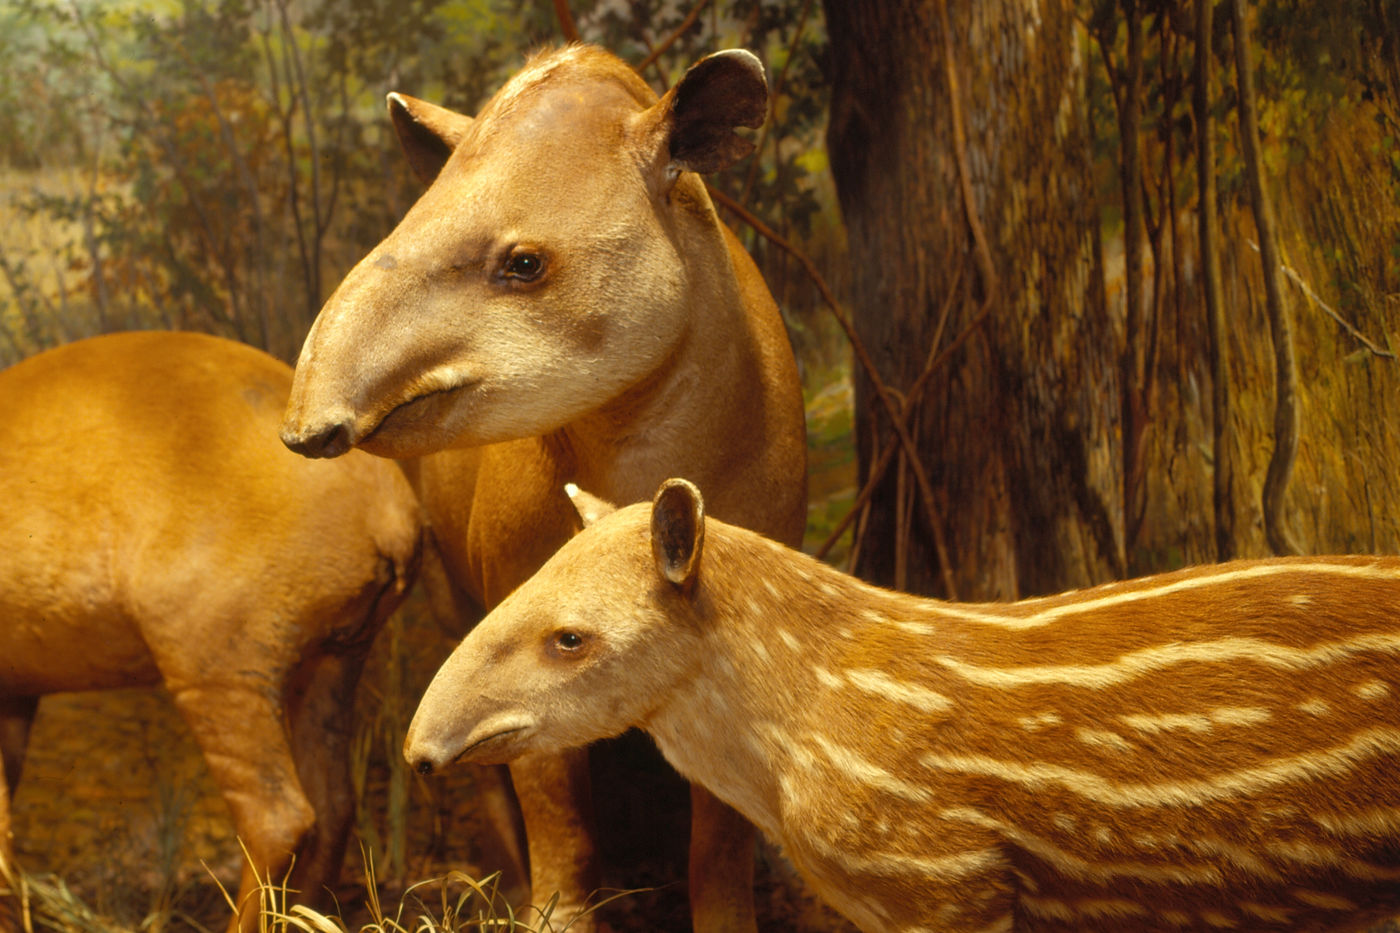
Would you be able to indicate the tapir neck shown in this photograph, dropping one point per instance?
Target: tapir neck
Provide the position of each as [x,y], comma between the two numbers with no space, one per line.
[738,723]
[715,410]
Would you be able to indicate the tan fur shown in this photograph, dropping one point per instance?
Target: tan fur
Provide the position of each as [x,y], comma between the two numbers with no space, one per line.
[1215,748]
[156,532]
[649,345]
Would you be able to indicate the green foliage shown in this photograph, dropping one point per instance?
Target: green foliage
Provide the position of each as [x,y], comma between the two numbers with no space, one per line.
[227,160]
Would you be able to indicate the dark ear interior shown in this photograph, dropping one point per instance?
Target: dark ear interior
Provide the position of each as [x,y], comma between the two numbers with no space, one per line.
[428,133]
[678,531]
[719,92]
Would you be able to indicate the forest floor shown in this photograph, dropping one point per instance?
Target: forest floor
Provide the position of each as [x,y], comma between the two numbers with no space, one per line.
[115,807]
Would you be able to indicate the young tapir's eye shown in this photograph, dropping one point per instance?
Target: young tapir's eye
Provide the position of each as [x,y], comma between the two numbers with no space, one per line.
[523,266]
[568,645]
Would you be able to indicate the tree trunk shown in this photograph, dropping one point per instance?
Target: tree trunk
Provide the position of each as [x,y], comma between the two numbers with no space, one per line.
[1136,360]
[1222,441]
[1019,430]
[1285,379]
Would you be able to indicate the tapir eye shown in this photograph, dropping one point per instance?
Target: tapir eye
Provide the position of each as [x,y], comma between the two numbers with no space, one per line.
[523,266]
[568,641]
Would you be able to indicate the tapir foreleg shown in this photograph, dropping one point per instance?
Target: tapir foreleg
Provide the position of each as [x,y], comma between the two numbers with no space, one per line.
[721,865]
[16,717]
[240,729]
[556,802]
[321,713]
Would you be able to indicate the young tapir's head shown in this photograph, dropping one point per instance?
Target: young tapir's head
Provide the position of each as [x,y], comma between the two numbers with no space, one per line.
[551,264]
[588,647]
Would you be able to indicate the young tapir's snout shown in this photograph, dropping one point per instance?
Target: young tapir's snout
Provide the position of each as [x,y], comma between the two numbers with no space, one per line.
[541,274]
[542,673]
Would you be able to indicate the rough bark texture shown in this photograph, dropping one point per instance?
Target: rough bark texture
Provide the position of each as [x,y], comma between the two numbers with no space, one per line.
[1019,432]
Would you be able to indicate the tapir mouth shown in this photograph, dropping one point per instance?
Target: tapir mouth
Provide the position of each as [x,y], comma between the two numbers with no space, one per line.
[483,748]
[416,422]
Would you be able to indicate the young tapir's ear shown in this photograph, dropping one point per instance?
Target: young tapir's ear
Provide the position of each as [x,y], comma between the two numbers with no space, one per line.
[691,129]
[589,507]
[428,133]
[678,531]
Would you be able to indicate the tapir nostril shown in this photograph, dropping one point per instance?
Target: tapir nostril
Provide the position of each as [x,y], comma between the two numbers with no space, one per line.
[331,441]
[424,767]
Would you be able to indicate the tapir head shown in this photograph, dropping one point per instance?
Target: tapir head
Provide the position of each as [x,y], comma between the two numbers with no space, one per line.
[591,645]
[549,266]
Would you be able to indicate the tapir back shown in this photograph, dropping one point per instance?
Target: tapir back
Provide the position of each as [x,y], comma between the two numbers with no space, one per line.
[143,480]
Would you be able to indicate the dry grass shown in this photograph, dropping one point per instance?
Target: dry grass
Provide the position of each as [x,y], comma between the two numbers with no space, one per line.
[452,903]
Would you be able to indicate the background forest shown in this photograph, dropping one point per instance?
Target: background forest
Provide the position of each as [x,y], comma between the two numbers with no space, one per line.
[1080,290]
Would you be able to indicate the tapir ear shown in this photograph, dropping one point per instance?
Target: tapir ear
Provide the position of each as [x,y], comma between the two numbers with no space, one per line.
[678,531]
[691,129]
[428,133]
[589,507]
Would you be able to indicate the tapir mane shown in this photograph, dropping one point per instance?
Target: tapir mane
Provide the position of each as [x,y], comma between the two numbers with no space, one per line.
[574,65]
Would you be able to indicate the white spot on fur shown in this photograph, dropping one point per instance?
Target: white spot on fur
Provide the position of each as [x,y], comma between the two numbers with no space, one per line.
[855,768]
[1316,706]
[1265,912]
[1102,738]
[1371,690]
[1323,900]
[792,643]
[880,684]
[1039,721]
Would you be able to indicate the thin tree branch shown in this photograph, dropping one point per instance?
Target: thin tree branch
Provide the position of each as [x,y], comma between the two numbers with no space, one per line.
[659,50]
[1286,419]
[777,91]
[863,356]
[955,113]
[1293,276]
[1222,460]
[566,21]
[934,362]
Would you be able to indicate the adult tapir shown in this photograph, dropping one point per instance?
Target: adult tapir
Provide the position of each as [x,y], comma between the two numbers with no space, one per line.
[153,531]
[563,305]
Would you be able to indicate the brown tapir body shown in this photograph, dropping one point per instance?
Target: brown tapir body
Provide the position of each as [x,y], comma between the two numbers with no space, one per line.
[1216,748]
[564,304]
[155,531]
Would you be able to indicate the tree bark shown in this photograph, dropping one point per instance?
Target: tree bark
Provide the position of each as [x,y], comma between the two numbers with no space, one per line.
[1280,322]
[1019,430]
[1222,440]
